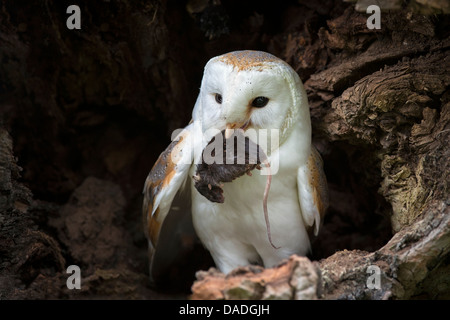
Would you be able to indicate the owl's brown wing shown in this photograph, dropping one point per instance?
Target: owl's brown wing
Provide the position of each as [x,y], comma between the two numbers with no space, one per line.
[167,206]
[313,191]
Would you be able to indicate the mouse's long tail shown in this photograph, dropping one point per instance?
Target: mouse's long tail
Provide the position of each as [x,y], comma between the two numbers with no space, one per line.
[266,211]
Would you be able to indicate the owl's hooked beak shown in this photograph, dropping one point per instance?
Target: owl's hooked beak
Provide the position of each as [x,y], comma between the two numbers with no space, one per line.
[231,126]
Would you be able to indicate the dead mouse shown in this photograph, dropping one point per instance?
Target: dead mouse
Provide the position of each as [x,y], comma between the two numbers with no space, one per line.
[240,157]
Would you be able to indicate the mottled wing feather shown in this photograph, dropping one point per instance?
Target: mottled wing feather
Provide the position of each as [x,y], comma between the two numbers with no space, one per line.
[313,191]
[158,185]
[166,205]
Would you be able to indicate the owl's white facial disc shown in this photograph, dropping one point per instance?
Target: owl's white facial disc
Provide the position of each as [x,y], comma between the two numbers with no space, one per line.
[251,89]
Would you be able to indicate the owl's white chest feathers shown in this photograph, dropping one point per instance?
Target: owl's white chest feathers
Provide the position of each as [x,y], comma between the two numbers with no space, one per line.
[235,231]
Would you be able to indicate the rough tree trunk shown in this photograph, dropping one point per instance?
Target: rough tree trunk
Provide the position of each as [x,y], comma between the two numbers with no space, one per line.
[85,113]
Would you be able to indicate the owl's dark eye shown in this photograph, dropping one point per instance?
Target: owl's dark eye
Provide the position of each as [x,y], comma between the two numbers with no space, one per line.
[260,102]
[218,98]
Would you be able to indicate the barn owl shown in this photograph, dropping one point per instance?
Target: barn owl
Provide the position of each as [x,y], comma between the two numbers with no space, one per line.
[250,91]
